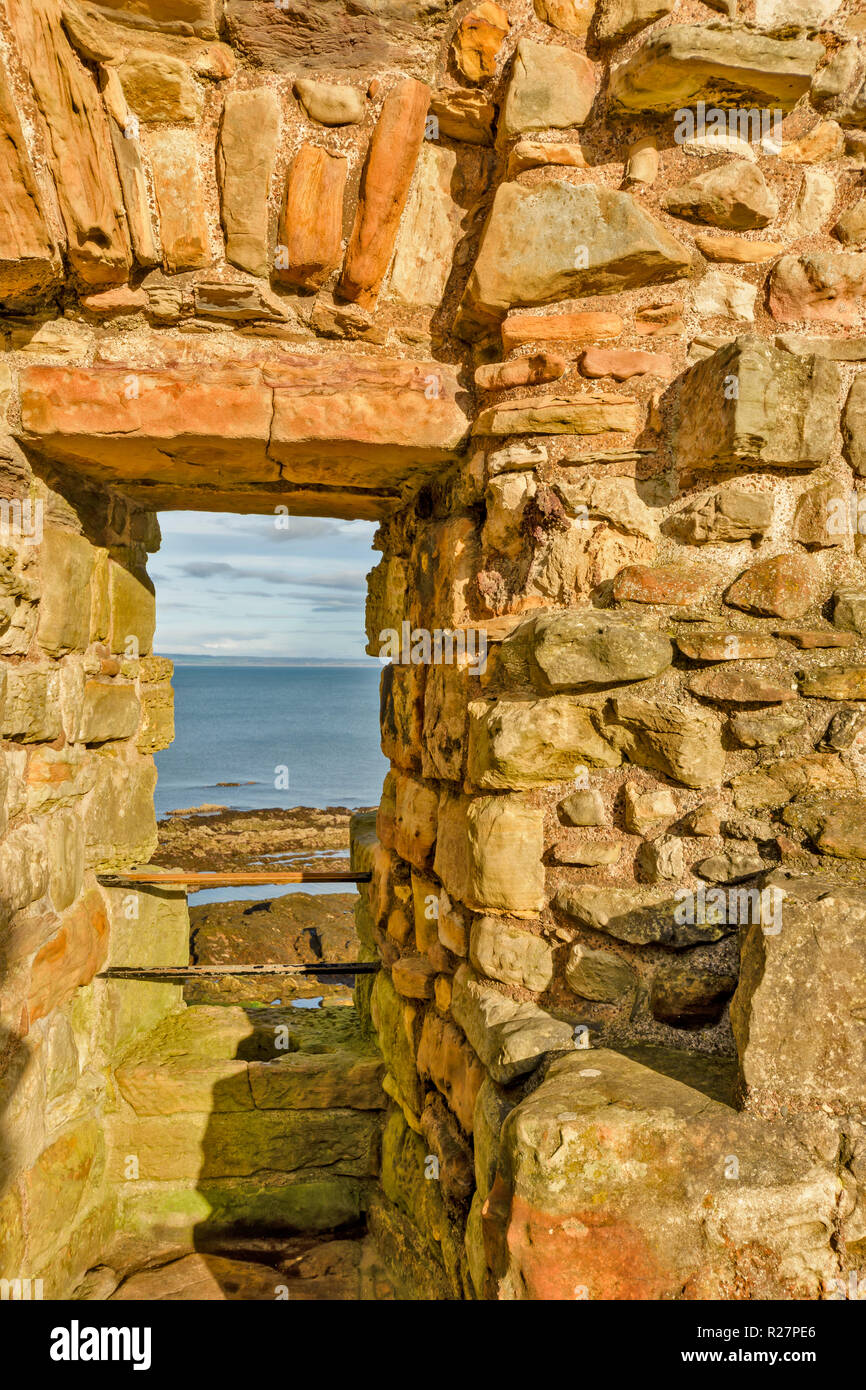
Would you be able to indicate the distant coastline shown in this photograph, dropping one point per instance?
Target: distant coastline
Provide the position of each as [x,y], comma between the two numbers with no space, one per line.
[189,659]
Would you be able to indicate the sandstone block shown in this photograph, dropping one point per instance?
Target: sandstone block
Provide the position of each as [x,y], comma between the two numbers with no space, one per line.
[447,1059]
[584,648]
[685,744]
[598,975]
[733,196]
[517,744]
[246,155]
[750,403]
[564,241]
[502,951]
[385,184]
[478,40]
[550,87]
[488,853]
[312,226]
[66,562]
[823,286]
[510,1038]
[180,200]
[783,587]
[158,86]
[724,66]
[330,103]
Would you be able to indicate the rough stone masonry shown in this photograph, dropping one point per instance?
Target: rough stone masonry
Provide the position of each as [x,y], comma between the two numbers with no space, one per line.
[533,287]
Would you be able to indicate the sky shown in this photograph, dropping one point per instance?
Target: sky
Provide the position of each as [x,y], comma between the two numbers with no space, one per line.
[236,586]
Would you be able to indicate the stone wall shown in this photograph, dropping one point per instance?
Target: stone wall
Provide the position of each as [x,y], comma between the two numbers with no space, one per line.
[571,299]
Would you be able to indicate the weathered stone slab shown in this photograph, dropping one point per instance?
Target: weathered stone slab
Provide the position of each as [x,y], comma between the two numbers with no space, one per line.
[590,413]
[640,916]
[584,648]
[610,1186]
[169,16]
[29,264]
[750,403]
[245,164]
[564,241]
[445,1056]
[312,226]
[805,1048]
[734,196]
[488,852]
[720,65]
[78,142]
[356,426]
[180,200]
[502,951]
[683,743]
[523,743]
[550,87]
[338,33]
[385,184]
[821,287]
[510,1038]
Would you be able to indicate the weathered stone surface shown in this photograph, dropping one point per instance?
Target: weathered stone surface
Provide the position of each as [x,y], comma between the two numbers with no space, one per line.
[774,785]
[78,144]
[854,425]
[851,227]
[585,648]
[590,413]
[312,227]
[849,609]
[724,515]
[338,34]
[740,687]
[571,16]
[30,711]
[447,1059]
[461,115]
[814,639]
[730,867]
[812,206]
[616,499]
[736,250]
[169,16]
[622,365]
[510,1038]
[820,518]
[29,264]
[804,1048]
[412,976]
[783,587]
[534,154]
[581,327]
[721,65]
[685,744]
[385,183]
[488,852]
[70,959]
[587,853]
[550,87]
[647,811]
[617,19]
[64,611]
[823,286]
[246,156]
[531,249]
[479,37]
[836,826]
[203,1279]
[429,231]
[835,683]
[394,1021]
[108,711]
[330,103]
[734,196]
[180,200]
[661,859]
[725,296]
[159,87]
[688,998]
[727,646]
[521,743]
[502,951]
[540,367]
[253,424]
[777,410]
[640,916]
[583,808]
[598,975]
[681,585]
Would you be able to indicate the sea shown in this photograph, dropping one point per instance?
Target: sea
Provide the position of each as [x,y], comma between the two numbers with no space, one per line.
[286,735]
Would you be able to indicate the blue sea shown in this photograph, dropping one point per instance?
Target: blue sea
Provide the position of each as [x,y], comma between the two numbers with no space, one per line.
[241,723]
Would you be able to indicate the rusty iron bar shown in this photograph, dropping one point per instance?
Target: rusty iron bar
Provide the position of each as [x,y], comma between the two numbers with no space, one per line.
[177,878]
[162,972]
